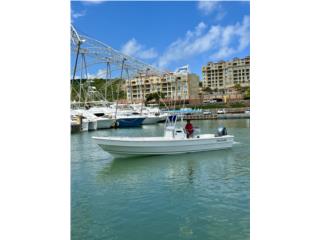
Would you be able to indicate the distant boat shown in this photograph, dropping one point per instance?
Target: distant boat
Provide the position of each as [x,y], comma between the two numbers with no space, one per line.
[129,121]
[174,141]
[151,119]
[104,121]
[162,117]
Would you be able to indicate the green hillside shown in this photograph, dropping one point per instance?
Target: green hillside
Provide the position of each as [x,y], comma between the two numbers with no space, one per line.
[98,87]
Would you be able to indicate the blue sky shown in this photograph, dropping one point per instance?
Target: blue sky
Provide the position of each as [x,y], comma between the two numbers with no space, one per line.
[168,34]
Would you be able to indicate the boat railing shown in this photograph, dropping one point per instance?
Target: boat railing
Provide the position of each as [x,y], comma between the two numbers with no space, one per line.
[171,125]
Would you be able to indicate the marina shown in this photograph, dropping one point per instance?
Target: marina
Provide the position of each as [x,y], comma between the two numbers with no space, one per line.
[188,196]
[85,120]
[157,153]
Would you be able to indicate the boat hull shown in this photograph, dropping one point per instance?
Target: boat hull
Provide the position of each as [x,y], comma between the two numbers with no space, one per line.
[84,125]
[151,120]
[104,123]
[129,122]
[121,147]
[92,125]
[162,118]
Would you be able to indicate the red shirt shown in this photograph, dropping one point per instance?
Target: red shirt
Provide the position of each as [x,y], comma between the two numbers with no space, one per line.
[189,128]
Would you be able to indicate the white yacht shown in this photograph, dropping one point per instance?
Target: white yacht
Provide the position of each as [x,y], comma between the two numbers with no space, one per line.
[103,117]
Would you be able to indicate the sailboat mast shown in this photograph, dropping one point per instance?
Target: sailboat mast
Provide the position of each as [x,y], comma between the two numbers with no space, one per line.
[117,102]
[130,85]
[105,83]
[142,93]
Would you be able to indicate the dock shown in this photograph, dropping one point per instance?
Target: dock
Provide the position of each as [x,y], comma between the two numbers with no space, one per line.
[217,116]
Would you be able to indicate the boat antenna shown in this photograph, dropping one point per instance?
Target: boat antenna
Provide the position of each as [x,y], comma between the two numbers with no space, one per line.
[77,56]
[111,83]
[140,90]
[87,98]
[117,102]
[130,86]
[105,83]
[142,87]
[175,93]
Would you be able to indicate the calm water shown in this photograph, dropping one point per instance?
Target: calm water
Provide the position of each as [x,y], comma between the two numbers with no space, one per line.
[189,196]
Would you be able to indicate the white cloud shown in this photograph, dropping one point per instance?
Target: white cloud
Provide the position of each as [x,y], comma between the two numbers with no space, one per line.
[194,42]
[217,39]
[133,48]
[101,73]
[207,6]
[75,15]
[239,32]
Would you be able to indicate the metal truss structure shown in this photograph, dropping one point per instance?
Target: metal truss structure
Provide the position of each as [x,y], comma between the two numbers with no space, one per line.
[95,52]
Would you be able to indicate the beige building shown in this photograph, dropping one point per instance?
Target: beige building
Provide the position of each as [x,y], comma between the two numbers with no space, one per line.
[174,86]
[224,75]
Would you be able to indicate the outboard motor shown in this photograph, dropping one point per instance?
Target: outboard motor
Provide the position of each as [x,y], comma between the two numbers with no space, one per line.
[221,131]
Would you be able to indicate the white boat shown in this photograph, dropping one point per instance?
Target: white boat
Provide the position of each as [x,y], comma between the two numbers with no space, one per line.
[93,124]
[104,122]
[174,141]
[151,119]
[85,125]
[162,117]
[103,117]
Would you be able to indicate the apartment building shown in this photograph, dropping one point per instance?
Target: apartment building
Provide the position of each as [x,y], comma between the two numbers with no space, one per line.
[174,86]
[224,75]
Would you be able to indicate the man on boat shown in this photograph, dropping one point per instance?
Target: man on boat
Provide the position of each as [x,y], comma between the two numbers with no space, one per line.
[189,129]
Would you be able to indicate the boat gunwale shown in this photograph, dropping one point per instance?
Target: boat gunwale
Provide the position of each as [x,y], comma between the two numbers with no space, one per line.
[159,139]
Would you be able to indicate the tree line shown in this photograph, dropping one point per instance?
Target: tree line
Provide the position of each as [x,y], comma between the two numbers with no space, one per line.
[97,89]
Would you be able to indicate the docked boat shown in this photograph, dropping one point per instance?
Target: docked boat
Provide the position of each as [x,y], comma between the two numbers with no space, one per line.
[104,122]
[84,125]
[151,115]
[151,119]
[174,141]
[103,117]
[162,117]
[93,124]
[129,121]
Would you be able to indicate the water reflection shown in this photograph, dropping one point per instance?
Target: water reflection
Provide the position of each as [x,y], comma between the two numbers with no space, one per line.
[190,172]
[211,165]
